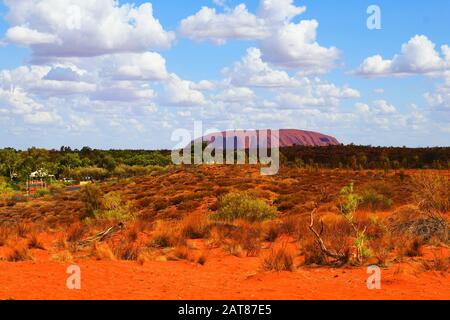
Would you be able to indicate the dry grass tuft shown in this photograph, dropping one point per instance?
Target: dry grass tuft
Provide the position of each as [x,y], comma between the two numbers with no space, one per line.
[19,254]
[34,243]
[280,259]
[195,226]
[102,251]
[4,236]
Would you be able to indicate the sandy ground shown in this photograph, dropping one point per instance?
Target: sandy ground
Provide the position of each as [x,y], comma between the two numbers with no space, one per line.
[222,277]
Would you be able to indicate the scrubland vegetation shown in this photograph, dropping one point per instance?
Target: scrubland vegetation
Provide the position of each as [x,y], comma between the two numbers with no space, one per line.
[299,218]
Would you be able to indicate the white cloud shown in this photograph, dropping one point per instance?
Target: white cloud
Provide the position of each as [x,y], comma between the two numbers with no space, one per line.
[253,71]
[42,118]
[279,10]
[295,46]
[203,85]
[282,42]
[383,107]
[179,92]
[418,56]
[84,28]
[207,24]
[25,36]
[314,93]
[236,94]
[124,91]
[440,97]
[35,79]
[149,66]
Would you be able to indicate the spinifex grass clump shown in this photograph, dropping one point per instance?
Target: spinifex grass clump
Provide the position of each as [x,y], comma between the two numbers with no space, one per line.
[244,206]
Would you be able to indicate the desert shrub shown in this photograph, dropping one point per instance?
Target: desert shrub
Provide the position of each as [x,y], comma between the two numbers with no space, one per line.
[373,200]
[375,228]
[102,251]
[233,248]
[295,226]
[22,230]
[34,243]
[247,236]
[18,255]
[361,244]
[188,205]
[408,246]
[312,253]
[337,234]
[201,260]
[271,231]
[437,264]
[181,253]
[16,198]
[113,208]
[234,206]
[75,232]
[42,193]
[279,259]
[127,251]
[195,226]
[432,196]
[381,248]
[409,220]
[64,256]
[165,235]
[92,196]
[349,201]
[431,193]
[160,204]
[56,187]
[4,236]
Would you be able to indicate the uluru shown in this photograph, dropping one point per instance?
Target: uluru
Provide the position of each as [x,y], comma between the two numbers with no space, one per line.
[287,138]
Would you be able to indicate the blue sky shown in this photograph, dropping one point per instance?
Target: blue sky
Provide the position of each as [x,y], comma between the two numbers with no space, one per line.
[128,74]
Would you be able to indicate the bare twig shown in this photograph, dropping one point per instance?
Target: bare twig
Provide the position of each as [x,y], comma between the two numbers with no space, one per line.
[102,236]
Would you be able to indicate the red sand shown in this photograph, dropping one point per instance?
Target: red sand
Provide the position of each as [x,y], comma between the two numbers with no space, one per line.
[222,277]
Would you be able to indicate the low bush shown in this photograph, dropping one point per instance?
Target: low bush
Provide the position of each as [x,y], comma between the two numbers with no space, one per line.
[92,196]
[243,206]
[280,259]
[18,255]
[373,200]
[195,226]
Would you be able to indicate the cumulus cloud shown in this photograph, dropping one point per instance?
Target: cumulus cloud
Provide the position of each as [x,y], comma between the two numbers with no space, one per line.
[84,28]
[440,97]
[279,10]
[207,24]
[295,46]
[124,91]
[282,42]
[25,36]
[149,66]
[417,56]
[254,72]
[236,94]
[314,93]
[42,118]
[179,92]
[45,81]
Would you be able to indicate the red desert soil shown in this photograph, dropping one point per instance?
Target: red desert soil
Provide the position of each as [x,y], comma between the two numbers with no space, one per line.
[222,277]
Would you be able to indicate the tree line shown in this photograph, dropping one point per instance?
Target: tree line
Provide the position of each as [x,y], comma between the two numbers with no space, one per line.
[368,157]
[17,165]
